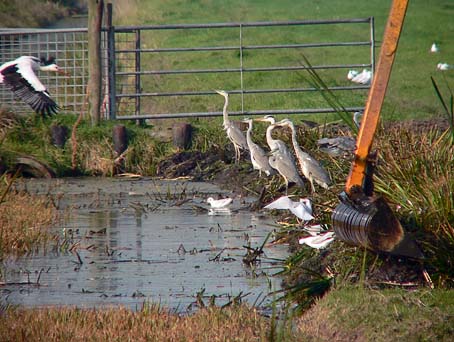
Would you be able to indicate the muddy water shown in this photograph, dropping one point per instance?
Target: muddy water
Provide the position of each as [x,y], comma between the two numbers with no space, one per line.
[143,240]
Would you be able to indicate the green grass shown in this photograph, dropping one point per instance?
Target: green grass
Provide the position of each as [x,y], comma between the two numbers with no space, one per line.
[410,94]
[387,315]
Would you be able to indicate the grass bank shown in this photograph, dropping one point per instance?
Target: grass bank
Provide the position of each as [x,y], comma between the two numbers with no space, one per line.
[37,13]
[347,314]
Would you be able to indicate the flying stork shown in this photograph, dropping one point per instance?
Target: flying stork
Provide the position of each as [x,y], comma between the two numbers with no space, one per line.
[19,76]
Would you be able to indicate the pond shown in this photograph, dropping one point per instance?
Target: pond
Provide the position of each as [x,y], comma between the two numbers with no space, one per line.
[130,241]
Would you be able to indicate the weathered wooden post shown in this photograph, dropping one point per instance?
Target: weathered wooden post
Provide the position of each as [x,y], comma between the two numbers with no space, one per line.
[182,134]
[120,144]
[95,11]
[59,135]
[120,139]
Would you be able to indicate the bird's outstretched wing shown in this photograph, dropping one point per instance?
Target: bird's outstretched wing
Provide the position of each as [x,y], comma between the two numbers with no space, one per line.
[31,91]
[283,202]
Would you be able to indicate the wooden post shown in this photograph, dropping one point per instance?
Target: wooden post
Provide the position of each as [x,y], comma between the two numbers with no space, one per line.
[182,133]
[120,139]
[59,135]
[95,11]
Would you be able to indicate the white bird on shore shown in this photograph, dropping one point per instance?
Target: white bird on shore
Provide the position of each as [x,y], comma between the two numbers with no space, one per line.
[444,66]
[363,77]
[220,203]
[19,76]
[314,229]
[301,209]
[434,48]
[319,241]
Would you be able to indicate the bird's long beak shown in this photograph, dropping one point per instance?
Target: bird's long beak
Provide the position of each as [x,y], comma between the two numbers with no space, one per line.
[63,72]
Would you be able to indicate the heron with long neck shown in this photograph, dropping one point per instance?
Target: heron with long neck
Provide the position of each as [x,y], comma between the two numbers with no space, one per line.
[259,158]
[275,144]
[281,158]
[234,134]
[309,166]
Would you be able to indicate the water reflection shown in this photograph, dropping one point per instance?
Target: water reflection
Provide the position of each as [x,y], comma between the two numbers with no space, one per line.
[126,255]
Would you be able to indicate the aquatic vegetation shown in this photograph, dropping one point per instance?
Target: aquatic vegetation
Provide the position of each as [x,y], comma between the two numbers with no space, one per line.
[24,220]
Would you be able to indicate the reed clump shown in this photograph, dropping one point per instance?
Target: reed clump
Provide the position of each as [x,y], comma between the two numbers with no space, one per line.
[152,323]
[23,222]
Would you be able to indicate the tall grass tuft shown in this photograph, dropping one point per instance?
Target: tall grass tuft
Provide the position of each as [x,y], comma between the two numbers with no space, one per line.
[417,175]
[23,220]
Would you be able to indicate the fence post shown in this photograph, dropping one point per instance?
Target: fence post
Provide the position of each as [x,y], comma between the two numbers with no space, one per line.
[137,76]
[111,64]
[95,11]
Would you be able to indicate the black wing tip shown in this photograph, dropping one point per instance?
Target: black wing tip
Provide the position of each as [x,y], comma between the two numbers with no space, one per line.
[48,110]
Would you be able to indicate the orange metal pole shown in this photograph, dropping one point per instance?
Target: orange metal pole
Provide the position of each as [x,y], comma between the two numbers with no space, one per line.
[377,93]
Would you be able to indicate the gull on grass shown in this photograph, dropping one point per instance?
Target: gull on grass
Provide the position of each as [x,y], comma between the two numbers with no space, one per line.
[319,241]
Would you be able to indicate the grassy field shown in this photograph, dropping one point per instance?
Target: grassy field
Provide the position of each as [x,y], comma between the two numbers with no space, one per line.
[410,94]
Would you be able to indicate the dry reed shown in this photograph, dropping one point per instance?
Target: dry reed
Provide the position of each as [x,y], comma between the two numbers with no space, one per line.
[119,324]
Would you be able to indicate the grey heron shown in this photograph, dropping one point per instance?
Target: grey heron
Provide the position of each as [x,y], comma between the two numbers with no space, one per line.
[275,144]
[281,158]
[234,134]
[310,167]
[259,158]
[19,76]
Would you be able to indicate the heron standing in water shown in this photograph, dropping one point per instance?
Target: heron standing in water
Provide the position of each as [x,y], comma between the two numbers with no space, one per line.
[234,134]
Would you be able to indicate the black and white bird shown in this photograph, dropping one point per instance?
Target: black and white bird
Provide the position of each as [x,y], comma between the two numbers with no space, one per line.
[19,76]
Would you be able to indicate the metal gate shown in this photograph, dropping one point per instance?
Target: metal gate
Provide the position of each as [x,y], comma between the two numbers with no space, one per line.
[171,71]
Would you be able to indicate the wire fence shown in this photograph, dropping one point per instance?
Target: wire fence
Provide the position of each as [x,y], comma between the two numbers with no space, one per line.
[168,71]
[70,49]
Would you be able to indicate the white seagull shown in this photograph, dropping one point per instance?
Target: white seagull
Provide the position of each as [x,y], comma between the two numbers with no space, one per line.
[444,66]
[301,209]
[220,203]
[434,48]
[363,77]
[319,241]
[19,76]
